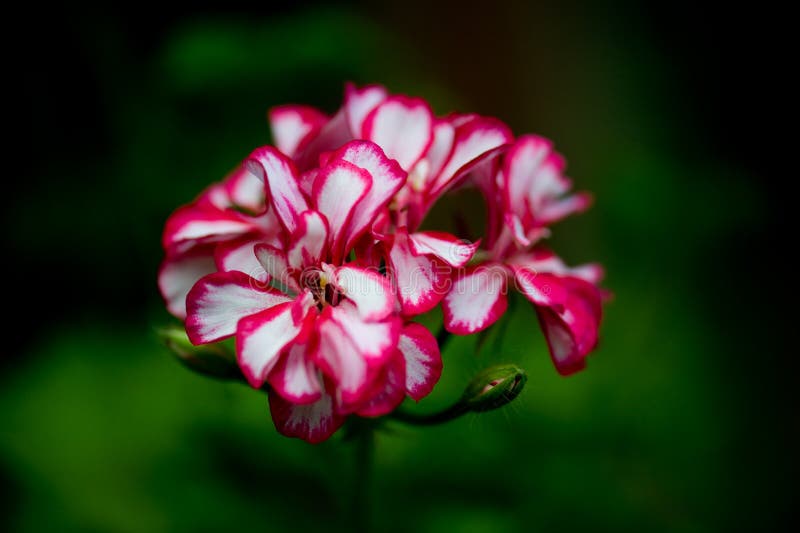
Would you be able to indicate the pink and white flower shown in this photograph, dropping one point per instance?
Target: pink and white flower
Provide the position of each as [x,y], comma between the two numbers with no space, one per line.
[322,331]
[525,191]
[311,255]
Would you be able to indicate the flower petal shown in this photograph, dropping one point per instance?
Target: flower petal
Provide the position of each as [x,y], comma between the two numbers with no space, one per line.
[339,357]
[572,329]
[447,247]
[245,190]
[332,135]
[416,277]
[402,127]
[374,341]
[294,125]
[239,255]
[540,288]
[313,422]
[444,134]
[545,261]
[389,391]
[423,360]
[520,167]
[563,207]
[276,266]
[219,300]
[358,103]
[281,179]
[203,222]
[337,190]
[179,272]
[308,242]
[473,140]
[261,337]
[295,376]
[387,179]
[370,291]
[476,300]
[534,184]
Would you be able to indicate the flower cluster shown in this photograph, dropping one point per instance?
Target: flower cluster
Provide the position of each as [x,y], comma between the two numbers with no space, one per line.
[311,255]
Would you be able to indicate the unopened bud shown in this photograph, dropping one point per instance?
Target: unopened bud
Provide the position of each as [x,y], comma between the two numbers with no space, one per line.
[213,360]
[494,387]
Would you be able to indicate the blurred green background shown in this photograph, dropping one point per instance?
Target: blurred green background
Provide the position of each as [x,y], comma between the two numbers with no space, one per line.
[684,419]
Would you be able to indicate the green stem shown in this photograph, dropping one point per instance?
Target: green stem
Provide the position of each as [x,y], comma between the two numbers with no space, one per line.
[361,505]
[417,419]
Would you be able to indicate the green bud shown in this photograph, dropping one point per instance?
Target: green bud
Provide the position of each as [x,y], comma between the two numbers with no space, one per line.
[213,360]
[493,387]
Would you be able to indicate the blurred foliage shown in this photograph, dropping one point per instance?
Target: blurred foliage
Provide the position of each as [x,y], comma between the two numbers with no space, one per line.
[101,430]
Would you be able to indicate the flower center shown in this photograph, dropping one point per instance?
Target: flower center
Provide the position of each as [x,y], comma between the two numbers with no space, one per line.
[318,281]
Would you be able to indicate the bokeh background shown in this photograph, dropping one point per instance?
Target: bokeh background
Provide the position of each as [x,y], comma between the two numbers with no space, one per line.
[685,418]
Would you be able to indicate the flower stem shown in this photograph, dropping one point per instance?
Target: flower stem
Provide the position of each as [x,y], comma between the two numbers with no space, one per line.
[489,389]
[361,505]
[417,419]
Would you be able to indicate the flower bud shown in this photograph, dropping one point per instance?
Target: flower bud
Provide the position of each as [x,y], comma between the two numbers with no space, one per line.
[213,360]
[493,387]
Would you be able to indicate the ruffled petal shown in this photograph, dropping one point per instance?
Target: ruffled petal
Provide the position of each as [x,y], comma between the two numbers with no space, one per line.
[295,376]
[444,134]
[178,274]
[309,241]
[476,300]
[276,266]
[293,126]
[387,179]
[534,185]
[261,337]
[423,360]
[543,260]
[540,288]
[571,329]
[245,190]
[358,103]
[449,248]
[353,352]
[403,127]
[239,255]
[281,179]
[218,301]
[339,357]
[369,291]
[563,207]
[520,166]
[416,277]
[314,422]
[332,135]
[389,392]
[203,222]
[473,141]
[339,187]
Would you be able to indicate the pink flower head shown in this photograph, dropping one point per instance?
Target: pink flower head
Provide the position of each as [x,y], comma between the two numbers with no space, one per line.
[323,331]
[525,191]
[311,257]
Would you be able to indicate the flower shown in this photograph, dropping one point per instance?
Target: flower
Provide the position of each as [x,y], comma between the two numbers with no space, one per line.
[311,256]
[525,190]
[216,231]
[322,331]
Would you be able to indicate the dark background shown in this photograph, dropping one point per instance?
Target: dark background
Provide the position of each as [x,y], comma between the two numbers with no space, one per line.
[675,116]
